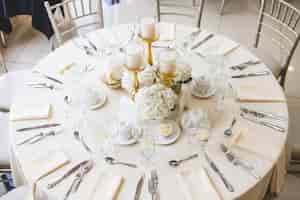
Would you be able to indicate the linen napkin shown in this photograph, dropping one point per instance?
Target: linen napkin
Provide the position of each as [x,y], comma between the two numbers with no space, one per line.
[217,45]
[44,164]
[166,31]
[197,185]
[258,144]
[259,90]
[107,187]
[29,111]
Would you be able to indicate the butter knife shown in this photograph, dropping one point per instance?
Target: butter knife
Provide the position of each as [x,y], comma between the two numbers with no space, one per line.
[216,169]
[266,124]
[261,114]
[263,73]
[38,127]
[139,188]
[66,175]
[211,35]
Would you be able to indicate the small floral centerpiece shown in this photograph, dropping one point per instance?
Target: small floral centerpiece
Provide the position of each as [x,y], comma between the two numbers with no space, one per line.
[156,102]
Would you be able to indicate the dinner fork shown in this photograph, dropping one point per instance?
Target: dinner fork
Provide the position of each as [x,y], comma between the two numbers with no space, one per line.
[244,65]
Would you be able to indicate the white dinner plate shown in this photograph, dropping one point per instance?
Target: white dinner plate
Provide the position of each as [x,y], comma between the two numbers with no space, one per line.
[161,140]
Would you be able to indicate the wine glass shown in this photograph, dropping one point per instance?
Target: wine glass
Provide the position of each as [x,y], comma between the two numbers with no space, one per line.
[148,147]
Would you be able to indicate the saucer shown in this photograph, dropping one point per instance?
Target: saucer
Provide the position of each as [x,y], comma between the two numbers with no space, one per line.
[130,141]
[101,102]
[161,140]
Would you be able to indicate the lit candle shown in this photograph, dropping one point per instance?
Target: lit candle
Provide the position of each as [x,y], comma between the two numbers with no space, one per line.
[148,28]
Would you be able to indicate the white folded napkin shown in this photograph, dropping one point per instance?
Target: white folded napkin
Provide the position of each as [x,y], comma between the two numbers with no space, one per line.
[44,164]
[30,111]
[258,144]
[259,90]
[107,187]
[166,31]
[216,45]
[197,185]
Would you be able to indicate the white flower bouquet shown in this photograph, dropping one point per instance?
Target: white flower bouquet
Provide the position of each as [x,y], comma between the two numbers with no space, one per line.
[156,102]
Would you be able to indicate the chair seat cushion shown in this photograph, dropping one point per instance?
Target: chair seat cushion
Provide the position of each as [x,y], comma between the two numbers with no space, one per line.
[296,152]
[272,63]
[20,193]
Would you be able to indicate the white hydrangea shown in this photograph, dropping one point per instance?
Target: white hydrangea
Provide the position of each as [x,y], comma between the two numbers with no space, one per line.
[183,74]
[147,77]
[156,102]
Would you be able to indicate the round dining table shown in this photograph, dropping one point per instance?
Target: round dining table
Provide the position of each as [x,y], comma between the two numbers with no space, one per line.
[262,147]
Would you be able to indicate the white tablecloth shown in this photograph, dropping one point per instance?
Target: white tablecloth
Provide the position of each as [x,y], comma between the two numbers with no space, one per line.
[268,159]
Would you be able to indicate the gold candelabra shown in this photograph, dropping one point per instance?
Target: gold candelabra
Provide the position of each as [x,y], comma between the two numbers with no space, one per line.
[136,84]
[149,48]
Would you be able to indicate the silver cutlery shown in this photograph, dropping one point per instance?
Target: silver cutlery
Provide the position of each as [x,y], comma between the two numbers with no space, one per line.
[113,161]
[38,137]
[216,169]
[4,110]
[151,188]
[67,174]
[38,127]
[176,163]
[50,78]
[90,43]
[81,140]
[228,132]
[41,85]
[263,123]
[79,178]
[237,162]
[139,187]
[204,40]
[263,73]
[162,46]
[260,114]
[244,65]
[155,182]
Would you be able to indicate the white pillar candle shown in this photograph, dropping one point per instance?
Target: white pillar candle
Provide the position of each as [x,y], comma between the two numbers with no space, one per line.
[115,66]
[134,59]
[167,62]
[148,28]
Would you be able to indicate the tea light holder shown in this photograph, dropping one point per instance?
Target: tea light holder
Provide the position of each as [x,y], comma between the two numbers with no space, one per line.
[135,84]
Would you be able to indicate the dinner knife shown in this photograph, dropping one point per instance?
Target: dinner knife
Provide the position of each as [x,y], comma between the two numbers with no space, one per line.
[211,35]
[267,124]
[216,169]
[263,73]
[139,188]
[261,114]
[38,127]
[52,79]
[66,175]
[4,110]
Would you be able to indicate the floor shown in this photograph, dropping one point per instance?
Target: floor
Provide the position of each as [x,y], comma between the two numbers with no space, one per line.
[27,46]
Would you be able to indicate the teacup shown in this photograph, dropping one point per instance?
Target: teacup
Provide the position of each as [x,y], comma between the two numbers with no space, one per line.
[92,97]
[125,131]
[202,86]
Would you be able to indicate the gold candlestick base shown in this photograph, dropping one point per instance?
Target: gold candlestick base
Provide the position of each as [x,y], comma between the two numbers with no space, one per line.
[167,79]
[136,84]
[149,48]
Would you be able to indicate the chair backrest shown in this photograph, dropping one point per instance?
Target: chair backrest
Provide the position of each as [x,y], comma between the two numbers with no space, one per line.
[281,19]
[72,12]
[170,8]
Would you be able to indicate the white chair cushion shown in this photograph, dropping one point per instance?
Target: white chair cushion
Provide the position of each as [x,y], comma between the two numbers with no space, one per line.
[20,193]
[272,63]
[9,84]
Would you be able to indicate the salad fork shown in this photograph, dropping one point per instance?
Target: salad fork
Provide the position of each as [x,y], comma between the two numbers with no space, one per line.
[244,65]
